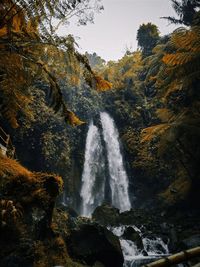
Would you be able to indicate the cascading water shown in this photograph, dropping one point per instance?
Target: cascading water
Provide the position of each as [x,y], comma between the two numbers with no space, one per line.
[154,248]
[94,171]
[118,177]
[93,178]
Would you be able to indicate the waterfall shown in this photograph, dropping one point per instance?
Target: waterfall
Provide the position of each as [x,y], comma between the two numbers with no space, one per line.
[118,177]
[93,178]
[95,168]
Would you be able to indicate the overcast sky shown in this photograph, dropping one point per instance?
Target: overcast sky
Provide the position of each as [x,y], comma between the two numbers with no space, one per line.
[116,27]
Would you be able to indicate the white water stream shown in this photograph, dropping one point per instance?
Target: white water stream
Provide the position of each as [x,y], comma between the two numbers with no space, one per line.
[118,177]
[93,177]
[133,257]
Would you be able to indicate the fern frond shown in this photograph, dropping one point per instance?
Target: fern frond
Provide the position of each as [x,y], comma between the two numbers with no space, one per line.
[188,40]
[178,58]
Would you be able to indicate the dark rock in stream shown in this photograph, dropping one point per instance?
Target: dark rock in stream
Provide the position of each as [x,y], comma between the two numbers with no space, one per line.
[106,215]
[90,243]
[131,234]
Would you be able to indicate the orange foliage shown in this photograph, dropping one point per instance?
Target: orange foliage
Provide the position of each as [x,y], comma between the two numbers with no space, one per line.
[149,133]
[72,119]
[13,168]
[101,84]
[164,114]
[14,19]
[17,22]
[177,58]
[40,187]
[3,31]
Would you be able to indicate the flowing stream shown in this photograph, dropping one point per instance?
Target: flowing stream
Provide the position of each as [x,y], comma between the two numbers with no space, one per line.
[154,248]
[94,170]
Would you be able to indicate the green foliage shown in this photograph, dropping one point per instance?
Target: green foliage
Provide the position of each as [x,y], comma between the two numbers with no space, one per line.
[122,74]
[173,70]
[96,62]
[187,11]
[147,37]
[45,138]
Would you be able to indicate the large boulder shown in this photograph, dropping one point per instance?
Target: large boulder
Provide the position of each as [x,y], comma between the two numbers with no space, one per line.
[90,243]
[106,215]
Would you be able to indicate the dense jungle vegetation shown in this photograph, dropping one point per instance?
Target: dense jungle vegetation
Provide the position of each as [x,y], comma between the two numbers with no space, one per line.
[49,92]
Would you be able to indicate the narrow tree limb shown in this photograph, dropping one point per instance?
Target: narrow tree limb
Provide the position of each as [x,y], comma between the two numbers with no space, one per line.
[176,258]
